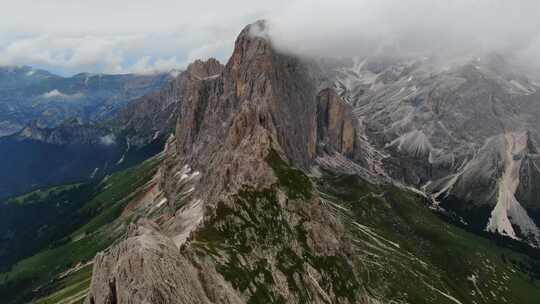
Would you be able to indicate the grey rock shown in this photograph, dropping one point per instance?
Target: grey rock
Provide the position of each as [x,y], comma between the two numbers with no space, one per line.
[234,134]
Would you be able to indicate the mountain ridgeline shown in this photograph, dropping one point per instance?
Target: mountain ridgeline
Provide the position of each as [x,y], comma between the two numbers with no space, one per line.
[292,180]
[265,196]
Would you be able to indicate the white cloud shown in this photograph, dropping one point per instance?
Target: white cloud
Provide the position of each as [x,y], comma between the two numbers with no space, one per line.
[56,94]
[108,140]
[345,28]
[69,53]
[148,65]
[52,94]
[208,50]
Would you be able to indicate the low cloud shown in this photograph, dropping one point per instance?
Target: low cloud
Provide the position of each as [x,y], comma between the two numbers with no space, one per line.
[150,65]
[108,140]
[55,94]
[413,27]
[72,54]
[52,94]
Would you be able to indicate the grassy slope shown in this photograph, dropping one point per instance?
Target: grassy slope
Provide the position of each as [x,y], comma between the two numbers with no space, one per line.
[36,276]
[39,219]
[69,289]
[411,255]
[41,194]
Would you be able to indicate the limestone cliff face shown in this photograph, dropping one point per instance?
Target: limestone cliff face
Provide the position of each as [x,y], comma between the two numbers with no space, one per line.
[204,69]
[241,224]
[261,100]
[335,124]
[261,95]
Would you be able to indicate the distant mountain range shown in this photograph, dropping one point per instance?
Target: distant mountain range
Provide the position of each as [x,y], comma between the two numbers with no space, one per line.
[57,130]
[28,94]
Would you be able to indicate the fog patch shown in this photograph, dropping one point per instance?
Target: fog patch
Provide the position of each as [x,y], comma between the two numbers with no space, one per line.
[343,28]
[56,94]
[108,140]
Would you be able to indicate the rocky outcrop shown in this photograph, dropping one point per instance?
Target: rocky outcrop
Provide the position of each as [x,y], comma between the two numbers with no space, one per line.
[155,114]
[204,69]
[242,225]
[148,268]
[335,124]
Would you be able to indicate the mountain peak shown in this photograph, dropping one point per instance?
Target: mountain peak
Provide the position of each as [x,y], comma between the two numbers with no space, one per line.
[251,45]
[258,29]
[204,69]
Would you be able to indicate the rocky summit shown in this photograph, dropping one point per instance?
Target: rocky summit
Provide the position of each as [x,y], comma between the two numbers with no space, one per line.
[234,201]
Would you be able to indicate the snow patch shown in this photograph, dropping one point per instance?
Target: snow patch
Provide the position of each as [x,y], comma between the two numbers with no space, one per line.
[473,278]
[444,294]
[121,160]
[161,202]
[186,174]
[188,191]
[93,174]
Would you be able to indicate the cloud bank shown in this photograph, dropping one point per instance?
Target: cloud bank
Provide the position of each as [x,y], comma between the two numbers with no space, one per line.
[121,36]
[407,27]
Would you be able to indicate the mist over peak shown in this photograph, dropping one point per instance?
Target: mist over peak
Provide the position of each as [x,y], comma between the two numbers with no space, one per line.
[408,28]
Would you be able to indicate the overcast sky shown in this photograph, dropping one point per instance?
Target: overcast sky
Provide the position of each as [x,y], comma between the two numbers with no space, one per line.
[115,36]
[118,36]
